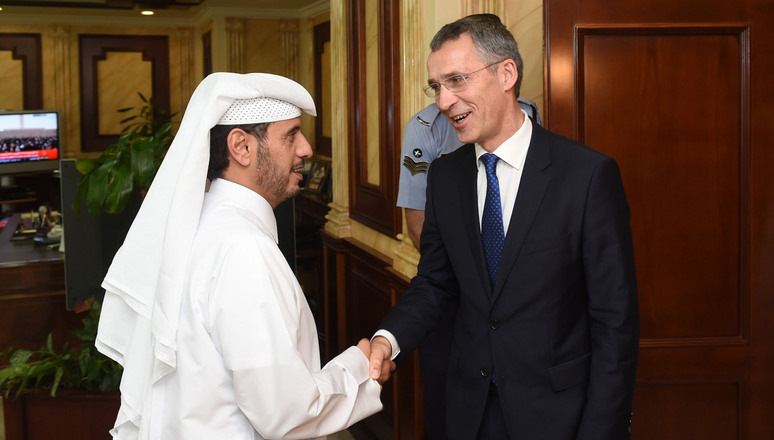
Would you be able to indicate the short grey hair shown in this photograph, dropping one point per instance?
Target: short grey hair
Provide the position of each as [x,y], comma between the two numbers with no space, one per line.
[493,41]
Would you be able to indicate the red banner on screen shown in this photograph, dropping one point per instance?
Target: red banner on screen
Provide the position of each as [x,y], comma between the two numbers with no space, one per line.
[15,156]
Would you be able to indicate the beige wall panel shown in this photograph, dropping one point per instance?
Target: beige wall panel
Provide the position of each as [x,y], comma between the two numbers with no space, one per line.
[372,84]
[527,26]
[325,61]
[306,72]
[306,76]
[120,77]
[263,46]
[11,86]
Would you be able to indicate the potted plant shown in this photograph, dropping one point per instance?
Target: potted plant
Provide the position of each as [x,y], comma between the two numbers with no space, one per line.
[83,381]
[109,179]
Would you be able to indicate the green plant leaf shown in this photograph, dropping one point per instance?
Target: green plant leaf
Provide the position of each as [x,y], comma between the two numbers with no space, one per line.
[161,141]
[119,188]
[85,166]
[57,380]
[97,188]
[143,165]
[146,136]
[19,357]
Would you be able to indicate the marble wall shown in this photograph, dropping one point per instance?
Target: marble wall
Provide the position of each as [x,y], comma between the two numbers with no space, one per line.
[419,22]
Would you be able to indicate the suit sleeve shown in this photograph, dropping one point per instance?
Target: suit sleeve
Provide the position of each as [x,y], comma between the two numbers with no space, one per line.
[432,291]
[609,270]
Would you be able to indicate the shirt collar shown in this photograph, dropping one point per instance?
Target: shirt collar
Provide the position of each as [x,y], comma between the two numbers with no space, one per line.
[249,200]
[514,150]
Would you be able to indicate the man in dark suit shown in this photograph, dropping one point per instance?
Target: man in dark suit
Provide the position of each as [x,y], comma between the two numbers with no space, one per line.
[528,233]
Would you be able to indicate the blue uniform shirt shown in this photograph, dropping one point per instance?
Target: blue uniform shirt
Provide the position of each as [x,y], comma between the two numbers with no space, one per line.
[426,137]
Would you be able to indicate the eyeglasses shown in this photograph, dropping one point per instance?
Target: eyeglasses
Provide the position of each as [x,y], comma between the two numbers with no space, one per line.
[454,84]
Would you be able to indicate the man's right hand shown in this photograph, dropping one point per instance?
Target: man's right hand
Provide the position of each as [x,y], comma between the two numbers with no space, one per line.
[381,366]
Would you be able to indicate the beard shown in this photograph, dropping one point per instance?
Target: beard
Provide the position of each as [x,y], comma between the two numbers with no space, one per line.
[271,178]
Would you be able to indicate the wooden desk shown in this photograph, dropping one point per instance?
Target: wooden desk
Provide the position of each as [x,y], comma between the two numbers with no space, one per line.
[32,294]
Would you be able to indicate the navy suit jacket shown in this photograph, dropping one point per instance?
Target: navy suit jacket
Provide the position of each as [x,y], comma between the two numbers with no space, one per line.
[560,327]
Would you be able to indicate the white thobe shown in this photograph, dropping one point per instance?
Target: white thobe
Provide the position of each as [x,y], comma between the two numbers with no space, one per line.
[248,362]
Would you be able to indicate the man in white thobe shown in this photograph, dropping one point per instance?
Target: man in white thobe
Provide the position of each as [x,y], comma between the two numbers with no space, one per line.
[201,307]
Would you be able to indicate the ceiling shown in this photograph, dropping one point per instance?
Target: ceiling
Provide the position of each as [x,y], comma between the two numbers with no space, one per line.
[48,11]
[104,4]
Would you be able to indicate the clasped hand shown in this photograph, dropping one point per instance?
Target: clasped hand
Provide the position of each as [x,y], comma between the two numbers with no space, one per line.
[379,352]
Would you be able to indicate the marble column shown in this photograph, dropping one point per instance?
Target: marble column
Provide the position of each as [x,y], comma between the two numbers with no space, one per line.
[414,49]
[289,29]
[235,37]
[63,89]
[338,220]
[186,66]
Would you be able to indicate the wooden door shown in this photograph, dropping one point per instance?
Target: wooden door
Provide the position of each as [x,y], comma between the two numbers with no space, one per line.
[681,94]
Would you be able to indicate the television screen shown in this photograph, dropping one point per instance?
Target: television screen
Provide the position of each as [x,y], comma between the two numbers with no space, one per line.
[29,141]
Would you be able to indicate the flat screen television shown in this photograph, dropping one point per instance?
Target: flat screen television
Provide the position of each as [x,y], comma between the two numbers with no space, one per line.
[90,243]
[30,141]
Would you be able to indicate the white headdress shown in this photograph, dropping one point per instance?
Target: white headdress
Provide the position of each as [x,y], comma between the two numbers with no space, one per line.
[144,285]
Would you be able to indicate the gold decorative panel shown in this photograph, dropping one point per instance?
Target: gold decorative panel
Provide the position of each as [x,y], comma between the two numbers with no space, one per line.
[120,76]
[21,70]
[106,63]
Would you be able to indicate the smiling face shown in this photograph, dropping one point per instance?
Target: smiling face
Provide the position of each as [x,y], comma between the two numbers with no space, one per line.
[484,111]
[279,160]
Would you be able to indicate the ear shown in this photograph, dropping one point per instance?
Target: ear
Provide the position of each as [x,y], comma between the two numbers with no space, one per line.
[238,147]
[509,74]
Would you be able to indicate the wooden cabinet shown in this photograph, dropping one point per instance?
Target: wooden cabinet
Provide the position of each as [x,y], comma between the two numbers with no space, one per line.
[360,288]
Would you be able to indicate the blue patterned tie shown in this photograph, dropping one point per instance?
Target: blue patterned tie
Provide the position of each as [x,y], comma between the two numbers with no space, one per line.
[492,234]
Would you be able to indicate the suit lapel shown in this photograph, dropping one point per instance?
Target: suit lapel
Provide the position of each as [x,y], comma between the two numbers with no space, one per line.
[532,188]
[469,199]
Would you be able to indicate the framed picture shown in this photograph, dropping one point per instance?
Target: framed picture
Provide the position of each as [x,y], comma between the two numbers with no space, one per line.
[318,176]
[305,172]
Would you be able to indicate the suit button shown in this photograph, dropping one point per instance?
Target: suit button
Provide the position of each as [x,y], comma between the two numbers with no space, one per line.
[484,372]
[494,324]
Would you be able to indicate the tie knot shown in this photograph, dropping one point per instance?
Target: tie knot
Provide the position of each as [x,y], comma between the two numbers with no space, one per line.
[490,160]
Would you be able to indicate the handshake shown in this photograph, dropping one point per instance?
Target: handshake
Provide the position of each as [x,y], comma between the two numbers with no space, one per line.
[379,353]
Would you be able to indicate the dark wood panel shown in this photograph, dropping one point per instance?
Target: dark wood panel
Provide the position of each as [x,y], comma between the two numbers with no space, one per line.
[368,301]
[72,415]
[365,288]
[26,47]
[32,295]
[322,35]
[688,411]
[683,169]
[680,95]
[374,204]
[94,48]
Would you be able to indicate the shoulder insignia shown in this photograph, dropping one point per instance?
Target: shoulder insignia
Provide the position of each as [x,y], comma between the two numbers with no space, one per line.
[423,122]
[414,167]
[417,153]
